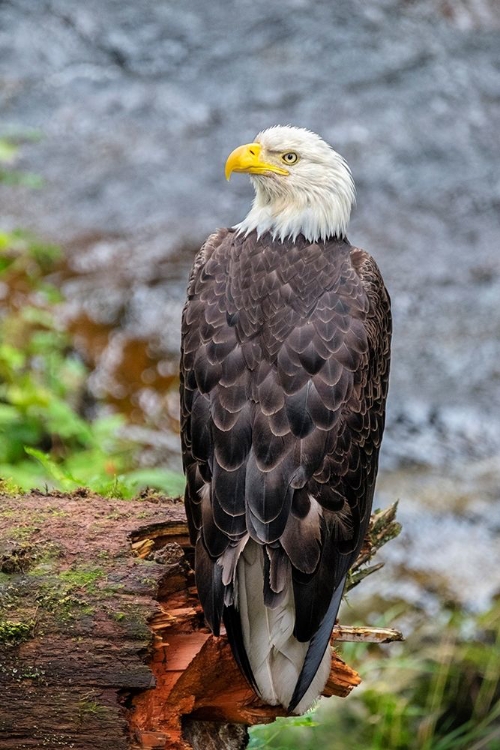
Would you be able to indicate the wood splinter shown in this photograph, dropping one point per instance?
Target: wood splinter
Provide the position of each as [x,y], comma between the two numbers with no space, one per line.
[197,679]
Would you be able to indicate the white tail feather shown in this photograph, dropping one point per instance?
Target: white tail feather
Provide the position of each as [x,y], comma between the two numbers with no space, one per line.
[275,655]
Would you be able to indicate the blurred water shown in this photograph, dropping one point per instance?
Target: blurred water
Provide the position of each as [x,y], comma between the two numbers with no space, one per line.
[138,105]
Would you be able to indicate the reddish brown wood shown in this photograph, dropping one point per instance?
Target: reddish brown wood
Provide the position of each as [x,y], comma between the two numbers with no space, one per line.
[102,641]
[196,675]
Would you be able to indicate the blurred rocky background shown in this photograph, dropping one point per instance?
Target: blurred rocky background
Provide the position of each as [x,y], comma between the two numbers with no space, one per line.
[127,111]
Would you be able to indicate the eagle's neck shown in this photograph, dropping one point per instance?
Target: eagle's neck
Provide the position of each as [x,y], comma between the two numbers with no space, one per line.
[317,211]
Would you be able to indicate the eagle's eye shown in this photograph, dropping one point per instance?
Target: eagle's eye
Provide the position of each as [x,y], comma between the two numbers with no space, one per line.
[290,157]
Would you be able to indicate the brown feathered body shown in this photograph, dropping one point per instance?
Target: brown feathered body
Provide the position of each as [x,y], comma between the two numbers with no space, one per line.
[284,376]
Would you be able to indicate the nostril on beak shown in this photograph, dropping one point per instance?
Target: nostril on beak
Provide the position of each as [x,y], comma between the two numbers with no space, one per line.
[252,152]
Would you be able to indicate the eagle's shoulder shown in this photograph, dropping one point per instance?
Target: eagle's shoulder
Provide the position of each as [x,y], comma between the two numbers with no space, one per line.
[220,240]
[367,269]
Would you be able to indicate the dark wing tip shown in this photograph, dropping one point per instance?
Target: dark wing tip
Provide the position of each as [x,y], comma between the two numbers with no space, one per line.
[317,648]
[235,637]
[208,576]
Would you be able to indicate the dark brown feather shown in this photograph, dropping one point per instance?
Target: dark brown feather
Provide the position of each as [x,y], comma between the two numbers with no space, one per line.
[284,375]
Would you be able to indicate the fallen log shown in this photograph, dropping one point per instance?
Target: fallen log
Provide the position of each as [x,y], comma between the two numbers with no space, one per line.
[102,640]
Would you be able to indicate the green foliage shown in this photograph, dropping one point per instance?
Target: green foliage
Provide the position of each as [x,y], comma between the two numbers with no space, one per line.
[70,593]
[45,438]
[8,487]
[9,149]
[438,691]
[89,709]
[12,633]
[77,578]
[282,734]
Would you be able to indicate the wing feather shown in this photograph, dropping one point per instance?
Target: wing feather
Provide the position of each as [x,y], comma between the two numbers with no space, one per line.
[284,373]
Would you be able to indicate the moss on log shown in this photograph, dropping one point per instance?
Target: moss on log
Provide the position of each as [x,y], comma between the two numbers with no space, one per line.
[102,640]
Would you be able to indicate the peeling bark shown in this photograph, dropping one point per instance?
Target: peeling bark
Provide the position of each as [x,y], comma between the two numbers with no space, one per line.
[102,640]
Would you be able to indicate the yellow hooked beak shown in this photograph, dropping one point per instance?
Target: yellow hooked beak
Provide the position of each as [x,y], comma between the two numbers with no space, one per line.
[247,159]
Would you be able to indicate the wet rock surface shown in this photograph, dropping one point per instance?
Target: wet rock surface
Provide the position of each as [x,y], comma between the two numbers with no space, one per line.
[138,105]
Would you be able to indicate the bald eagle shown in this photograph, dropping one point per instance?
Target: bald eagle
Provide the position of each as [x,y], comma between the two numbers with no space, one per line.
[284,374]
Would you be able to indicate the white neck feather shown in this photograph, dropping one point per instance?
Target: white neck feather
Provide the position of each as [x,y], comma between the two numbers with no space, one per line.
[318,206]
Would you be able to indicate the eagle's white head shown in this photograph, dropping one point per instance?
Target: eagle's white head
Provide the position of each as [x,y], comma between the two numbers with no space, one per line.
[302,186]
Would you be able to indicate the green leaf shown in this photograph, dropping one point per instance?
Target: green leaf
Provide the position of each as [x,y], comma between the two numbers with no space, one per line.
[170,482]
[24,179]
[53,470]
[8,150]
